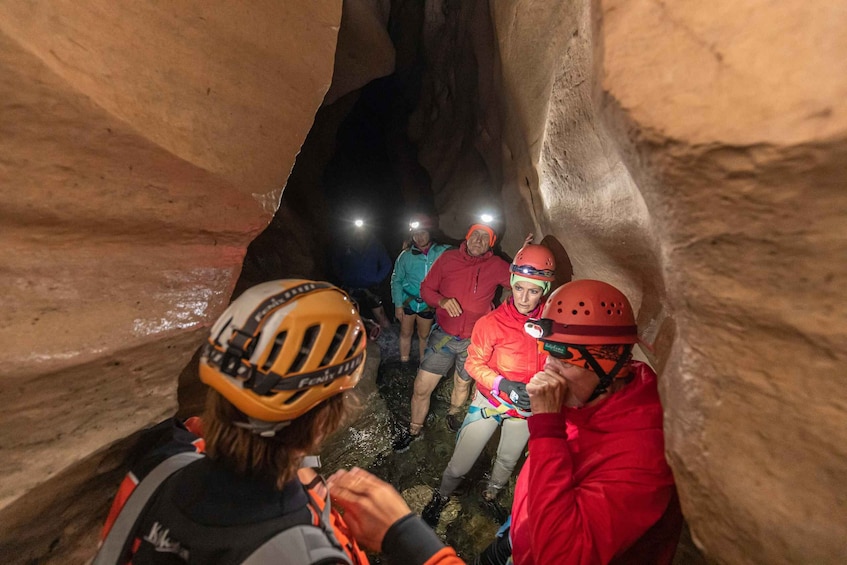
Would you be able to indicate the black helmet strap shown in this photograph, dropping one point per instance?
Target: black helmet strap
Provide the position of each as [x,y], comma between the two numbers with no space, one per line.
[242,341]
[606,379]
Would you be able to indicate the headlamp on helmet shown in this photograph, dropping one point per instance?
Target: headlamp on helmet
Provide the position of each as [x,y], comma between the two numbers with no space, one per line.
[588,323]
[420,222]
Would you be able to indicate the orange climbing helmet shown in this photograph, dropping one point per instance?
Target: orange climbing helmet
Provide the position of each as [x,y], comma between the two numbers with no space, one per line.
[534,262]
[283,347]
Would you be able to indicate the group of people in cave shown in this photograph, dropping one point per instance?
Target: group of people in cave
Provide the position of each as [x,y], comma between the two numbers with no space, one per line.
[552,369]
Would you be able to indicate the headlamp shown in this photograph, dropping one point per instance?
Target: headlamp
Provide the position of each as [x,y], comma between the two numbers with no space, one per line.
[538,327]
[530,271]
[359,223]
[414,225]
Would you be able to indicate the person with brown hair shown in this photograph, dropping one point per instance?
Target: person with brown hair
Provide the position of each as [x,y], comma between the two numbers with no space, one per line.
[278,362]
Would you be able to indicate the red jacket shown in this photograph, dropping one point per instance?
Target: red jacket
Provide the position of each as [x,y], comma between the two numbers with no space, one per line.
[500,346]
[470,280]
[601,491]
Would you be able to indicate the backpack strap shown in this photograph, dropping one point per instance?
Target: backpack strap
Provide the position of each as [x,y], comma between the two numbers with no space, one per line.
[121,534]
[298,545]
[316,545]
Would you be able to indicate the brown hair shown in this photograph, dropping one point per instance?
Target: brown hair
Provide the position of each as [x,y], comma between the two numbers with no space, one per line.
[276,458]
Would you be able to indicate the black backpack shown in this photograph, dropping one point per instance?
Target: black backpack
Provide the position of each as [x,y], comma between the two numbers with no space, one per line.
[288,544]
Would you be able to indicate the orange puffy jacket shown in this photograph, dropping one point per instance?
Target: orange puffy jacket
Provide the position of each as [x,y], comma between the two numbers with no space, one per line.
[500,346]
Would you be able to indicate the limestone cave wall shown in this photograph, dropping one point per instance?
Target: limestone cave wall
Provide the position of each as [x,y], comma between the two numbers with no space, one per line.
[691,153]
[144,145]
[694,155]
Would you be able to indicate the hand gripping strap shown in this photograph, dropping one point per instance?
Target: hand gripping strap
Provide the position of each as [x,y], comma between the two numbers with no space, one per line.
[122,533]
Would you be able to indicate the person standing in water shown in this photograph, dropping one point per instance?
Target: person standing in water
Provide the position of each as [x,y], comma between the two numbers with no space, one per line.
[502,358]
[461,286]
[410,269]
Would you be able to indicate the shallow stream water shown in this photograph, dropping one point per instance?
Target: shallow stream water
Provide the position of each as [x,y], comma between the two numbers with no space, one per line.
[468,523]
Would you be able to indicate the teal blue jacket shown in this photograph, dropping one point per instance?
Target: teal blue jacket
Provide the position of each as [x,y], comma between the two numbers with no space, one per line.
[409,271]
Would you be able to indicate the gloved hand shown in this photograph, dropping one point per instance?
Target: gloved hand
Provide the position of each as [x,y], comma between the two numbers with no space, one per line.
[515,392]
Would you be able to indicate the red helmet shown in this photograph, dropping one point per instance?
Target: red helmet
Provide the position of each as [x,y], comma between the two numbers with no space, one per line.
[421,222]
[586,312]
[534,262]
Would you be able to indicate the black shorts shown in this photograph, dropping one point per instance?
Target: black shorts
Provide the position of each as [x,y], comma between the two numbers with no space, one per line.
[426,314]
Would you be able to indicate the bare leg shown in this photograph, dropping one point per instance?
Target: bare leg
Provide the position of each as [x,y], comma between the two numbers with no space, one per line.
[407,326]
[459,394]
[425,383]
[424,326]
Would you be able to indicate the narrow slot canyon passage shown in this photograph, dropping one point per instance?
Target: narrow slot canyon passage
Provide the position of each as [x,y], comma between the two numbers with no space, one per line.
[159,160]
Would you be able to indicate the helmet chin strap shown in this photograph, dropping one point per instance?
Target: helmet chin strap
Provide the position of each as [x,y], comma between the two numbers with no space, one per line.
[606,379]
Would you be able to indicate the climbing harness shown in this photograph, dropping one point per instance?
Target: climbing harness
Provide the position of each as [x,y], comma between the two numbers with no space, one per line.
[498,413]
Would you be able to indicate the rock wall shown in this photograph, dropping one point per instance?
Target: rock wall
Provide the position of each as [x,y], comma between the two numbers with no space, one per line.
[691,153]
[740,140]
[694,155]
[143,147]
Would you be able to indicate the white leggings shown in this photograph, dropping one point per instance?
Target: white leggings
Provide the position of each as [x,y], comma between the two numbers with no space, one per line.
[473,438]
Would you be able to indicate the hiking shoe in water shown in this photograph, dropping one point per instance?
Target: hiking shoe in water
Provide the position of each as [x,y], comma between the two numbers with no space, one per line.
[489,494]
[432,512]
[404,441]
[454,422]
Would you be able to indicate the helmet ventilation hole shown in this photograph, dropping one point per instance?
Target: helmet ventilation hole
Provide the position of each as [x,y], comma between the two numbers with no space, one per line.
[587,312]
[355,345]
[574,312]
[275,349]
[603,304]
[335,344]
[609,312]
[309,338]
[582,304]
[296,396]
[619,312]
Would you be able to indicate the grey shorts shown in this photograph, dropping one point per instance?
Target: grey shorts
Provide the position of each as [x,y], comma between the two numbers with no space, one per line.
[442,350]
